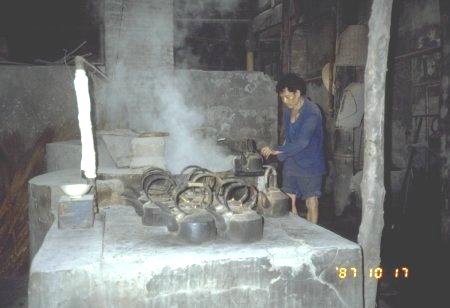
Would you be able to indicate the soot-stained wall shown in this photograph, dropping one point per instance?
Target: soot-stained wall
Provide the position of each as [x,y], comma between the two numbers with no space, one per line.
[139,63]
[414,87]
[236,104]
[34,99]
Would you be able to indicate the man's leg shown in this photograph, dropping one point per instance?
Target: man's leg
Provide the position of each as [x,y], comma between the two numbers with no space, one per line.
[293,206]
[312,204]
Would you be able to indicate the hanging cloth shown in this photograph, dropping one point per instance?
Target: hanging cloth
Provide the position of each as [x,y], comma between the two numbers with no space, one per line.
[351,109]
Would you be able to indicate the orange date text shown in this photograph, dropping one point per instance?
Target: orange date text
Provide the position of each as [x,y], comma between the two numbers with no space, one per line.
[376,273]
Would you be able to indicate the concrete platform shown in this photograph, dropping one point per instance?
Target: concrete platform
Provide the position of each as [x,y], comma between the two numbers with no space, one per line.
[44,193]
[113,151]
[121,263]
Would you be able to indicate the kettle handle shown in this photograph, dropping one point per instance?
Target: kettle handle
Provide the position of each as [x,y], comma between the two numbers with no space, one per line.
[270,171]
[191,185]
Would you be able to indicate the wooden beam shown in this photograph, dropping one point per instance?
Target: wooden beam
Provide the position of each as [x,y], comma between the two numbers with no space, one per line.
[335,104]
[286,36]
[417,53]
[214,20]
[262,7]
[372,185]
[285,55]
[268,19]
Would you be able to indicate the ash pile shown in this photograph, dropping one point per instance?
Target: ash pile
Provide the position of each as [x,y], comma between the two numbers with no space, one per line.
[200,206]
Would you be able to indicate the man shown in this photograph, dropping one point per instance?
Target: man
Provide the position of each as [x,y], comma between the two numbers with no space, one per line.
[302,151]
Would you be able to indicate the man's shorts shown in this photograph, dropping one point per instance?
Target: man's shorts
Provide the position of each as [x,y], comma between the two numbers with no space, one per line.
[302,186]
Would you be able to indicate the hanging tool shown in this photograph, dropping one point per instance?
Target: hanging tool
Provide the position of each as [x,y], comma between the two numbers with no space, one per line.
[406,179]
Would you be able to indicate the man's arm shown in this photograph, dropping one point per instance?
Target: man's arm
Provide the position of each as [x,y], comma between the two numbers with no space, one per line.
[301,141]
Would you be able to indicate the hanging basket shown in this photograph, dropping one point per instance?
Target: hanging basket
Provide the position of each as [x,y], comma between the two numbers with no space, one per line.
[352,46]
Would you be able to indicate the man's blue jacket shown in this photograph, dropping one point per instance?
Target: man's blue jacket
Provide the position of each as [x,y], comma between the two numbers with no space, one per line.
[302,151]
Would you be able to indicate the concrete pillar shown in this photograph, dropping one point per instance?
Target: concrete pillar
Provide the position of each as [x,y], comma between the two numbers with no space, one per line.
[372,185]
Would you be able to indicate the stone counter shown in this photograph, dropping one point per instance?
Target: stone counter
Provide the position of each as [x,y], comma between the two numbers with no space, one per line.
[121,263]
[44,193]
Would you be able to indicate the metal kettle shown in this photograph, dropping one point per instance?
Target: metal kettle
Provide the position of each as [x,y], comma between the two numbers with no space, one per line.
[236,220]
[193,224]
[273,202]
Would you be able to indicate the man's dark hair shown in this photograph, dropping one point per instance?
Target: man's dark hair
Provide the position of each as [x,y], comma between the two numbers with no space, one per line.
[292,82]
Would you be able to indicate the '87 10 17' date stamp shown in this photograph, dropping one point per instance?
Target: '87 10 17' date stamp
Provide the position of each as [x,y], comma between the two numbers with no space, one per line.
[376,273]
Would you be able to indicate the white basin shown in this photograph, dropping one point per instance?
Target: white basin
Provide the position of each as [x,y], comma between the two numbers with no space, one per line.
[75,190]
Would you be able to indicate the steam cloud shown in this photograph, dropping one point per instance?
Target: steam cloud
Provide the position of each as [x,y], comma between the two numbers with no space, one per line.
[185,146]
[157,103]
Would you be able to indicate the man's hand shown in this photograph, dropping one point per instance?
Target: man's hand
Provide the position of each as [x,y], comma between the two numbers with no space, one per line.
[266,152]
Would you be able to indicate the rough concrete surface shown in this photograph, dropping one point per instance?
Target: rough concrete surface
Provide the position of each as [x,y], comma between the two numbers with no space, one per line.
[45,193]
[67,155]
[121,263]
[231,104]
[76,213]
[130,178]
[236,104]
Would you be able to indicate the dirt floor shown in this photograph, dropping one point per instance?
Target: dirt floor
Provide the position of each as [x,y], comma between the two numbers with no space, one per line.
[411,239]
[13,292]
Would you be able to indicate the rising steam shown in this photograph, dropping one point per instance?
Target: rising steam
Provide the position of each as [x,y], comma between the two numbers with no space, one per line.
[145,87]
